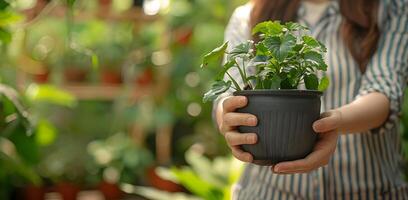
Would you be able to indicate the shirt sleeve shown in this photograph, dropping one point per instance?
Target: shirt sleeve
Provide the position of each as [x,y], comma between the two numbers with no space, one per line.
[387,71]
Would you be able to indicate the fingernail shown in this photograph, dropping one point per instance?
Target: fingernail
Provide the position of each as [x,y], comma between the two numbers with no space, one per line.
[251,120]
[316,125]
[251,139]
[243,100]
[276,169]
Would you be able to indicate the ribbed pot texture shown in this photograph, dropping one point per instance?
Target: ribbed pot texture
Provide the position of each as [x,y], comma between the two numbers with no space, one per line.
[285,119]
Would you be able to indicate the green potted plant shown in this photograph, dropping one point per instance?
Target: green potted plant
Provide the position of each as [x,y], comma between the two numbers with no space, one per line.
[76,66]
[285,58]
[111,57]
[118,159]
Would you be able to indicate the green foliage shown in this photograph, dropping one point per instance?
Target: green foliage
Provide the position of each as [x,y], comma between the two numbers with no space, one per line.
[50,94]
[214,55]
[120,154]
[205,179]
[284,58]
[18,149]
[217,88]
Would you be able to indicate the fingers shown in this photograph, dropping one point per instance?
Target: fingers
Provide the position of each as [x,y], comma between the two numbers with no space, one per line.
[318,158]
[239,119]
[310,163]
[235,138]
[230,104]
[241,155]
[331,121]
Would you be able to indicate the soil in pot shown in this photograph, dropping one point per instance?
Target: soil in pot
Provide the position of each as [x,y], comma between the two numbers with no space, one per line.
[111,77]
[285,119]
[32,192]
[110,191]
[75,75]
[68,191]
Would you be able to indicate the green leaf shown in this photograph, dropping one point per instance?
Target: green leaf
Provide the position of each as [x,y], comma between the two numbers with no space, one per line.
[316,59]
[214,55]
[71,3]
[16,167]
[275,82]
[95,61]
[4,4]
[293,77]
[261,49]
[5,36]
[297,48]
[324,84]
[8,18]
[50,94]
[26,146]
[268,28]
[156,194]
[217,88]
[286,84]
[46,133]
[310,41]
[292,26]
[226,67]
[241,49]
[192,182]
[311,82]
[280,46]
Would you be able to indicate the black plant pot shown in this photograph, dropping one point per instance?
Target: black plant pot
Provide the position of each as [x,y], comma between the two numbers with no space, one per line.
[285,119]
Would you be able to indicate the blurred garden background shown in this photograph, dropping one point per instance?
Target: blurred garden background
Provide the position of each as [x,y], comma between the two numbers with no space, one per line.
[103,99]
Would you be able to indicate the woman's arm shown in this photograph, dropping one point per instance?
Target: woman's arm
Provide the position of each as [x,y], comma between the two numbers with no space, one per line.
[365,113]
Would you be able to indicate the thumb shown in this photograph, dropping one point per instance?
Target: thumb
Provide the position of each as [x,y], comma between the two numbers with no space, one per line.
[330,121]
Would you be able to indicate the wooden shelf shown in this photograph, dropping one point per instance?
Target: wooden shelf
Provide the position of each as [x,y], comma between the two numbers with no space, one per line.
[134,14]
[104,92]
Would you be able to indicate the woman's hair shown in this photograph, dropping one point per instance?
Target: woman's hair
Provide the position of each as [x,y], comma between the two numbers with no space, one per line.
[359,27]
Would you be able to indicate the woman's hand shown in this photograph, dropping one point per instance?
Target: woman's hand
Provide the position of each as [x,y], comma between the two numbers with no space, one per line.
[228,122]
[327,128]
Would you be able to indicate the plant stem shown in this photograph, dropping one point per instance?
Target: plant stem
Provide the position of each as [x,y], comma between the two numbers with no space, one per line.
[248,82]
[234,82]
[243,76]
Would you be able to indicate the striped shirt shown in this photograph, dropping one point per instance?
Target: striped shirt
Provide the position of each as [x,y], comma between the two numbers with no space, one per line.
[364,165]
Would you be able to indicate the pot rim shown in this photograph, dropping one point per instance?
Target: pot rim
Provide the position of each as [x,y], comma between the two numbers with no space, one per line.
[283,92]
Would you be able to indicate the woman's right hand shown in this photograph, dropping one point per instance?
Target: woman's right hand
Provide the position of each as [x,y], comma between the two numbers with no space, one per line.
[228,121]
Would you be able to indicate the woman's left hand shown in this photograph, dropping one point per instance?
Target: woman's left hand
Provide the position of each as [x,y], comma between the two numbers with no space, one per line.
[327,128]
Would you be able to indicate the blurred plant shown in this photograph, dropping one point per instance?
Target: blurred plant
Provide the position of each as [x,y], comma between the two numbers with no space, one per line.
[118,159]
[18,148]
[205,179]
[8,17]
[24,136]
[194,28]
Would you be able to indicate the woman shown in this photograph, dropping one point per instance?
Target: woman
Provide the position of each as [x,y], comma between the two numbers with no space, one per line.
[358,154]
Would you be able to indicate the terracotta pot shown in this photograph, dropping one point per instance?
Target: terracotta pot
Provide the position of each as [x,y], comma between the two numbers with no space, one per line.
[145,78]
[68,191]
[161,184]
[41,77]
[111,77]
[75,75]
[105,2]
[32,192]
[183,36]
[110,191]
